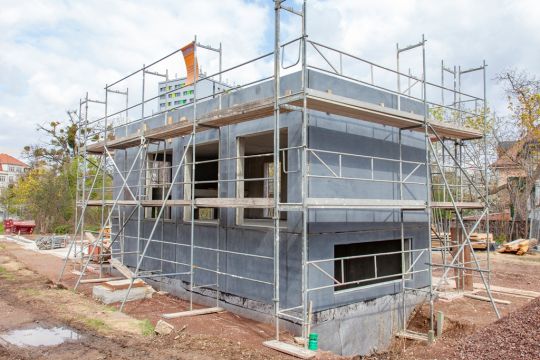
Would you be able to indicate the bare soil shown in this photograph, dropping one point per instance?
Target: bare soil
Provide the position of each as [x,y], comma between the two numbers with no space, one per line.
[29,295]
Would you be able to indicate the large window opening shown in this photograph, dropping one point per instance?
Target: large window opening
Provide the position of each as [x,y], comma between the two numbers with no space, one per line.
[370,263]
[255,165]
[158,182]
[206,179]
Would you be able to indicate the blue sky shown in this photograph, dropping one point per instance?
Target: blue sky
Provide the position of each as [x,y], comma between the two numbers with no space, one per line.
[55,51]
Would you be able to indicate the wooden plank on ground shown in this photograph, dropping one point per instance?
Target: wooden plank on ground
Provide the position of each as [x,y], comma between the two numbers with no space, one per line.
[412,336]
[485,298]
[499,289]
[509,291]
[290,349]
[121,268]
[98,280]
[192,313]
[123,284]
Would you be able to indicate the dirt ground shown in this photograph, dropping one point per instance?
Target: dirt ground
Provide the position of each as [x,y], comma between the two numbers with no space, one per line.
[29,296]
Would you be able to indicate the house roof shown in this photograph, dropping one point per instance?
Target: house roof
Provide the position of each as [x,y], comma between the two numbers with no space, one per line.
[509,152]
[6,159]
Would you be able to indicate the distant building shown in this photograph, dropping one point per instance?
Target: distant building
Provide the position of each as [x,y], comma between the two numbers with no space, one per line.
[10,169]
[515,164]
[174,93]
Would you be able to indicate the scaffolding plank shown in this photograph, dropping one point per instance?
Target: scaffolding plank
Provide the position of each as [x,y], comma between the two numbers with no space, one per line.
[361,110]
[144,203]
[232,115]
[337,203]
[485,298]
[235,202]
[316,100]
[460,205]
[290,349]
[192,313]
[99,280]
[122,269]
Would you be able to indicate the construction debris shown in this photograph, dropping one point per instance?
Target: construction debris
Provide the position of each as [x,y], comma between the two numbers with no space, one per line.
[479,241]
[51,242]
[163,328]
[518,247]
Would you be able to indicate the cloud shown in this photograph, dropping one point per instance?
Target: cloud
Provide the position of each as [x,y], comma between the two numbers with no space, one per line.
[55,51]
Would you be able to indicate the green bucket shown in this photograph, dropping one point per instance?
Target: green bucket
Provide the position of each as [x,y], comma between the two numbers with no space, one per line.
[313,343]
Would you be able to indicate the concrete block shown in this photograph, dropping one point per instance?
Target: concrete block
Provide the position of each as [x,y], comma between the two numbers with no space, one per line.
[110,296]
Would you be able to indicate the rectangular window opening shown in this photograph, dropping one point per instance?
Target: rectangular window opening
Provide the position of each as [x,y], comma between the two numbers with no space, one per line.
[384,264]
[206,180]
[158,182]
[255,165]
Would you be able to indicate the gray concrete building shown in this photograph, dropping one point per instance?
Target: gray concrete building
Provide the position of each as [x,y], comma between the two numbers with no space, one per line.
[367,157]
[304,199]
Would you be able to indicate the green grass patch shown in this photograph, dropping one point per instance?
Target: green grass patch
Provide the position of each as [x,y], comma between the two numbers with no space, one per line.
[147,329]
[109,308]
[1,227]
[95,324]
[4,274]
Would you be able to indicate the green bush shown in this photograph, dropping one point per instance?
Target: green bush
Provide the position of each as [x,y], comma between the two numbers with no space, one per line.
[500,238]
[62,229]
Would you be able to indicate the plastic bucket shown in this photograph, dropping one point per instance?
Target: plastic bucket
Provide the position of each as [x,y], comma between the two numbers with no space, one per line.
[313,343]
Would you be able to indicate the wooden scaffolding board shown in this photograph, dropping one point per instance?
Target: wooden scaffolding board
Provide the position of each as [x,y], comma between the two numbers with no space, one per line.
[200,202]
[460,205]
[316,100]
[346,203]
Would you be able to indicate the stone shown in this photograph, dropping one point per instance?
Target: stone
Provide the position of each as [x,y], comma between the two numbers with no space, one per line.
[163,328]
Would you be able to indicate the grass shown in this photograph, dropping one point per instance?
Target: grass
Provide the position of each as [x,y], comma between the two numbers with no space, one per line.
[4,274]
[95,324]
[1,228]
[109,308]
[147,329]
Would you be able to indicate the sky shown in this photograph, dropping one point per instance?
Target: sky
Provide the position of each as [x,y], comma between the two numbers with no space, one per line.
[53,52]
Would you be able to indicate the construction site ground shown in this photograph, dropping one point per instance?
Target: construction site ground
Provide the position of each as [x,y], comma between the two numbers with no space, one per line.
[30,297]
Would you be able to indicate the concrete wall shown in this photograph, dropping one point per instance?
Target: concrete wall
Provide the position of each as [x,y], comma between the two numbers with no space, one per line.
[326,227]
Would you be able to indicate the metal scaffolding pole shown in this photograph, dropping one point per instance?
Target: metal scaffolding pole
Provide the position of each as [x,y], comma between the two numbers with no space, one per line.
[277,47]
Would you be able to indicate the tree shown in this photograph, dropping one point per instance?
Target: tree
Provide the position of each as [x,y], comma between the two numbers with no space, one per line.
[47,192]
[61,144]
[523,96]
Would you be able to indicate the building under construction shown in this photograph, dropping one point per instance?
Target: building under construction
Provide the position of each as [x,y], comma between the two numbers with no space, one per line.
[315,195]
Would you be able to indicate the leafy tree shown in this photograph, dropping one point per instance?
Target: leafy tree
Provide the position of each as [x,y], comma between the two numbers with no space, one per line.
[47,192]
[523,96]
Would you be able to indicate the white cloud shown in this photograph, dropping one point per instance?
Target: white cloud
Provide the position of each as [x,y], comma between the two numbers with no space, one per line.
[55,51]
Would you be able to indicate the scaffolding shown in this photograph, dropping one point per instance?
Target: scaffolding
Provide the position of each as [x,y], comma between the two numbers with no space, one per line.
[456,180]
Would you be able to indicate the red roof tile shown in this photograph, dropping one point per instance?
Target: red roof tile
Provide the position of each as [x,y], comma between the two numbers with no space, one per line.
[10,160]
